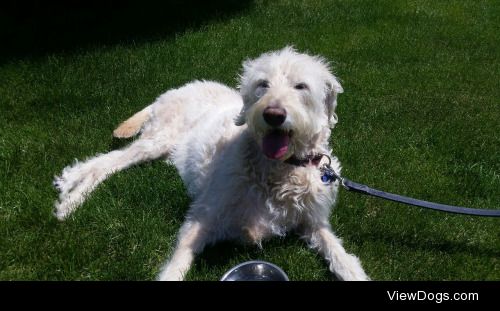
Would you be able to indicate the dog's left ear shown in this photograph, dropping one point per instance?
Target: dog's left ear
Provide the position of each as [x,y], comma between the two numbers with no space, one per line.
[240,118]
[333,88]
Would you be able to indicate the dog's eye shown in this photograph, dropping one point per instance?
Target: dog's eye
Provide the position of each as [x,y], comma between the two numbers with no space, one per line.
[301,86]
[261,89]
[263,84]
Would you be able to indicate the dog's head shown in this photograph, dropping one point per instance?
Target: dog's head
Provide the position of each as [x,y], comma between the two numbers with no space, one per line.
[289,99]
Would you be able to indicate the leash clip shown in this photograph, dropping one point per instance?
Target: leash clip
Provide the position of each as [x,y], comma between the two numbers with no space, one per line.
[328,175]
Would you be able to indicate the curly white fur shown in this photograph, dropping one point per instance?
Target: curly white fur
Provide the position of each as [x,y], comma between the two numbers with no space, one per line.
[213,135]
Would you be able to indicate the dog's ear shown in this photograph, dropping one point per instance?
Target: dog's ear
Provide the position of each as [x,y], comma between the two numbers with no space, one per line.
[333,88]
[240,118]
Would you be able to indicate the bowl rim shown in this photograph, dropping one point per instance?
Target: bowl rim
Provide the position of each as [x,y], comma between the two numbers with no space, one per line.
[252,262]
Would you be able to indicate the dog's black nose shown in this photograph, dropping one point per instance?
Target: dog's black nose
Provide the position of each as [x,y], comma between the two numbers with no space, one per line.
[274,116]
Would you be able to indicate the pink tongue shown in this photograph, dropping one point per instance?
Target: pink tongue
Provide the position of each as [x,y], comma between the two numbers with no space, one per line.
[275,144]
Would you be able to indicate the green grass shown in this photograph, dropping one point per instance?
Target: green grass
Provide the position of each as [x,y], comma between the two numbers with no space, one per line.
[419,116]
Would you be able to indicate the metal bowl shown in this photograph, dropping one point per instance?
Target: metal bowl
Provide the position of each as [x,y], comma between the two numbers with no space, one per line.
[255,270]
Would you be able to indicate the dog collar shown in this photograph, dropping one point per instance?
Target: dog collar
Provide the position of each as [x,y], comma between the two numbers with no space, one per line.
[312,159]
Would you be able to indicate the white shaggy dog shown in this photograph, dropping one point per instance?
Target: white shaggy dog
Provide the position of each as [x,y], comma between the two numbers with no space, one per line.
[250,160]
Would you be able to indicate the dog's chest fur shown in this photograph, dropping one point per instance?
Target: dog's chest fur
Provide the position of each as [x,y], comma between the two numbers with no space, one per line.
[287,198]
[257,198]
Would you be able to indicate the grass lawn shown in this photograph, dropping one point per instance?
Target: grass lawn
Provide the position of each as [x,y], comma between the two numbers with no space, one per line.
[419,116]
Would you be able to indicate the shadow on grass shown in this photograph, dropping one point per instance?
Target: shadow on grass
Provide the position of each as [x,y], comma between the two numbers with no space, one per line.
[225,254]
[31,29]
[426,242]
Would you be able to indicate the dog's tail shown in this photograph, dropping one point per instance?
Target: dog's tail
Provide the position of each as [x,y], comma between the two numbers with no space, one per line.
[133,125]
[78,180]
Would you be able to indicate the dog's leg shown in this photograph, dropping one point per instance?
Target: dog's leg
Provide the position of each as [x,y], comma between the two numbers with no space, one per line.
[345,266]
[78,180]
[191,240]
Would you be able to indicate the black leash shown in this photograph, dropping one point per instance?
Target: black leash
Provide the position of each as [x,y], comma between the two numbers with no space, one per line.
[329,176]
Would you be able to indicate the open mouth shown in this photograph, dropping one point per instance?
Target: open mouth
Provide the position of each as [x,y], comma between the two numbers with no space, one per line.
[275,143]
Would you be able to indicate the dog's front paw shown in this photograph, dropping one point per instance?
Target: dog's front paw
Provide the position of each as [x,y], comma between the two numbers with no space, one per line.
[62,210]
[170,275]
[351,269]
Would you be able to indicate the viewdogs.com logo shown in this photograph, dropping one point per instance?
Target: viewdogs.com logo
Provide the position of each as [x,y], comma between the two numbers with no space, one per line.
[436,297]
